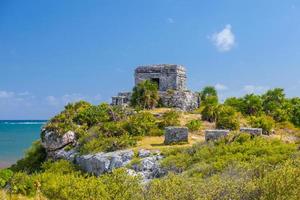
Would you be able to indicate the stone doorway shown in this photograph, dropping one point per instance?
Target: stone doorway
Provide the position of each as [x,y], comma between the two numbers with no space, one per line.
[156,81]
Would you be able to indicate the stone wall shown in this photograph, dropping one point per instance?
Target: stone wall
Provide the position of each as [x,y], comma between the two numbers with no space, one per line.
[168,76]
[184,100]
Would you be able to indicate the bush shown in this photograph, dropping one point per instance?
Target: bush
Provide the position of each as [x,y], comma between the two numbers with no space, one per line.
[145,95]
[194,125]
[93,115]
[282,183]
[22,183]
[227,118]
[205,160]
[5,175]
[120,185]
[170,118]
[210,108]
[172,187]
[71,186]
[63,122]
[102,143]
[264,122]
[143,124]
[33,159]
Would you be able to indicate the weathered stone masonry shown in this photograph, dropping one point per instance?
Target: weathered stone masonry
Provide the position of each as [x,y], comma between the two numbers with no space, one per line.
[171,81]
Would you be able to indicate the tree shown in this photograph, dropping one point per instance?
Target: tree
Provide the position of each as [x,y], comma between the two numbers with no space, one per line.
[252,105]
[295,111]
[275,104]
[208,91]
[209,111]
[145,95]
[234,102]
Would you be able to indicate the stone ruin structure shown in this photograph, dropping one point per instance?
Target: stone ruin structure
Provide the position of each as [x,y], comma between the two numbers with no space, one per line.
[171,81]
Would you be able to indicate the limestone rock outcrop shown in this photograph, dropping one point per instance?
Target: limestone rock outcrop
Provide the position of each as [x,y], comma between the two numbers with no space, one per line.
[52,141]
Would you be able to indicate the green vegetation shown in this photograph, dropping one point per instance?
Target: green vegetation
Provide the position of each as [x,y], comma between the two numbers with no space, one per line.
[227,118]
[194,125]
[233,168]
[239,167]
[170,118]
[261,111]
[265,122]
[33,159]
[145,95]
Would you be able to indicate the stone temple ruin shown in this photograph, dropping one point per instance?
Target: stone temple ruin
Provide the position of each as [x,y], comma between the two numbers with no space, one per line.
[171,81]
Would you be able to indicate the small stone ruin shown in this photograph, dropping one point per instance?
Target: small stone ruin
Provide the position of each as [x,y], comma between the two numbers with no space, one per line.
[175,135]
[215,134]
[251,131]
[171,82]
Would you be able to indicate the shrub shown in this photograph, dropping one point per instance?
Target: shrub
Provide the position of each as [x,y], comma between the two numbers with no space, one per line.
[63,122]
[103,143]
[33,159]
[22,183]
[143,124]
[194,125]
[120,185]
[209,159]
[172,187]
[210,108]
[59,167]
[145,95]
[264,122]
[93,115]
[170,118]
[227,118]
[5,175]
[282,183]
[71,186]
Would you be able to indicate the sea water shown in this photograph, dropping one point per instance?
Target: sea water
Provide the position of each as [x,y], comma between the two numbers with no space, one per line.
[15,137]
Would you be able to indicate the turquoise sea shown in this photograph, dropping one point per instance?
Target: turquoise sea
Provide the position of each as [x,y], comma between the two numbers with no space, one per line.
[15,137]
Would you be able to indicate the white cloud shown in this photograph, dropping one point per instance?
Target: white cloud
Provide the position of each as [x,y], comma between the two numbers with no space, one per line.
[6,94]
[170,20]
[224,40]
[219,86]
[255,89]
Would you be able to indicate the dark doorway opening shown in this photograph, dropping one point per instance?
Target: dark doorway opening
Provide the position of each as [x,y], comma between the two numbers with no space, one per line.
[156,81]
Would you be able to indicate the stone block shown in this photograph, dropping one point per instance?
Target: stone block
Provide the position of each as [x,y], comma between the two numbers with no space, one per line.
[215,134]
[175,135]
[251,131]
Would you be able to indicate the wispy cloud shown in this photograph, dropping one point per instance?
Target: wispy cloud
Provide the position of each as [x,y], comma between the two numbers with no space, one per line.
[220,86]
[6,94]
[255,89]
[170,20]
[70,98]
[224,40]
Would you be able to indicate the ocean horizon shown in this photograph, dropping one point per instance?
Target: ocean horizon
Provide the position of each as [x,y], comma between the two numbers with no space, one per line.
[16,136]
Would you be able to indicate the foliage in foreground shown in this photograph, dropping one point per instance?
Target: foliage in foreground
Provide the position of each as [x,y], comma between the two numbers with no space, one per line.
[240,167]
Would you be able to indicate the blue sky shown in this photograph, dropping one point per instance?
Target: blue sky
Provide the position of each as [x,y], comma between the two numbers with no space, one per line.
[54,52]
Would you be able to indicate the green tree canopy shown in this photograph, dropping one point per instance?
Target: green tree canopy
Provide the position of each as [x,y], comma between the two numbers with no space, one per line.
[145,95]
[208,91]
